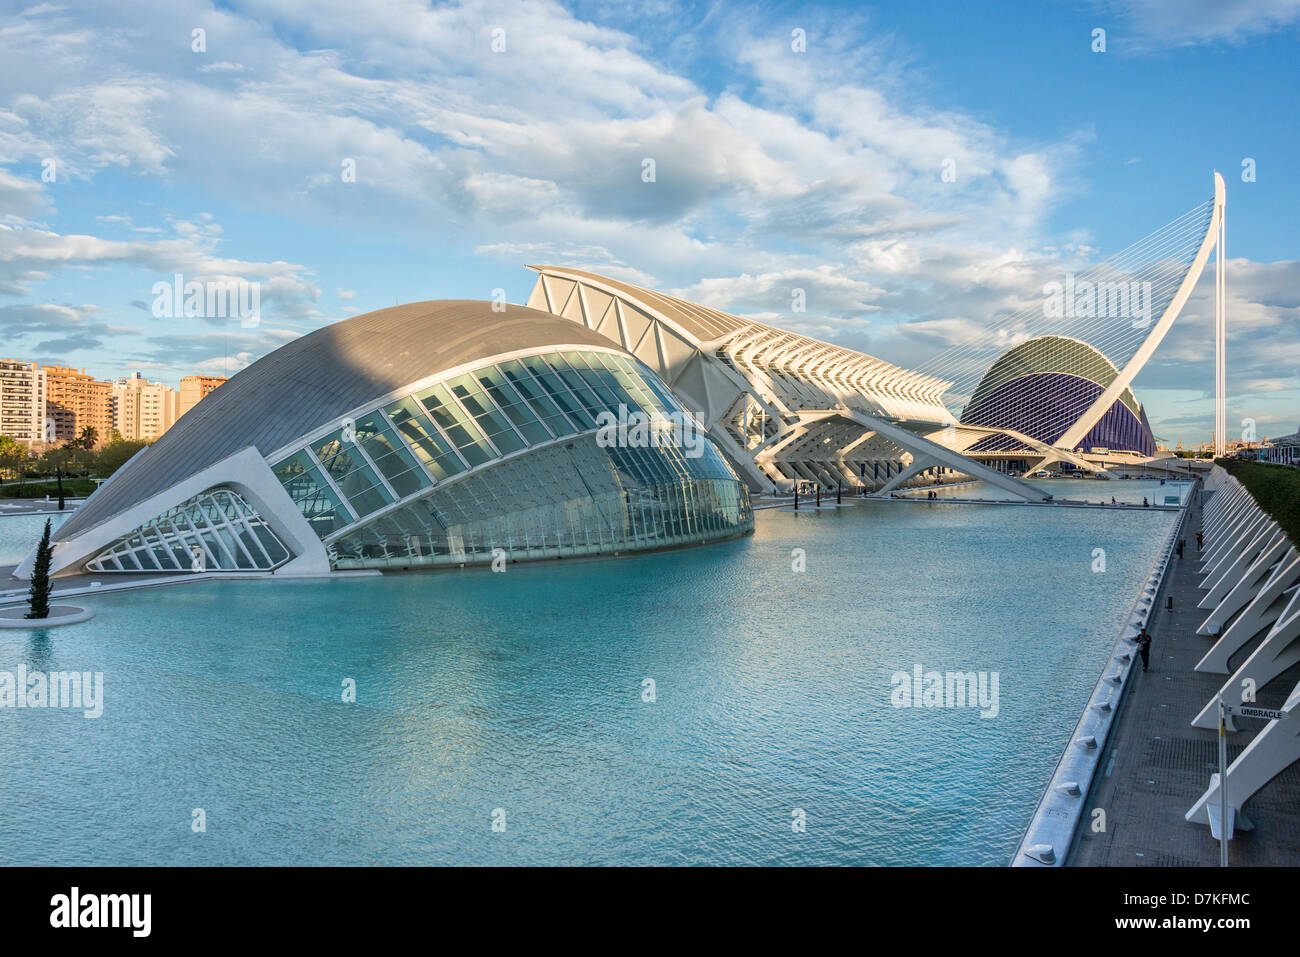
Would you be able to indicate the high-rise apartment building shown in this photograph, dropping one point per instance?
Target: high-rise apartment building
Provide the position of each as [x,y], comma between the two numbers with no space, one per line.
[194,388]
[22,401]
[76,401]
[143,410]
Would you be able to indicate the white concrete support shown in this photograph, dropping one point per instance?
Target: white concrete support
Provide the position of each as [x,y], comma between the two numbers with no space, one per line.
[921,447]
[1254,571]
[1279,650]
[1257,580]
[1264,609]
[1221,329]
[1272,751]
[1220,532]
[919,464]
[244,471]
[1235,543]
[1221,582]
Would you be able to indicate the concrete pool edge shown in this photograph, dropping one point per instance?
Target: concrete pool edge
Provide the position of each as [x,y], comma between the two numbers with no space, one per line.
[59,615]
[1051,831]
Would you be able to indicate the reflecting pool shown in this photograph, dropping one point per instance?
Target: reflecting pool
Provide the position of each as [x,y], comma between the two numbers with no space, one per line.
[524,692]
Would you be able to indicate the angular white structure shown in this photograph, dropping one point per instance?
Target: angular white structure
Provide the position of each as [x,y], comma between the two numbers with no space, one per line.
[1252,577]
[787,408]
[784,407]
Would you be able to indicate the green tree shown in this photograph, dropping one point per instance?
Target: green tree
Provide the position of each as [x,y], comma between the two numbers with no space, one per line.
[38,599]
[12,457]
[87,439]
[114,455]
[55,458]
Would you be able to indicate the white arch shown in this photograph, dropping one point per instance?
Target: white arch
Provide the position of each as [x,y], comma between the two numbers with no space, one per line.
[1083,425]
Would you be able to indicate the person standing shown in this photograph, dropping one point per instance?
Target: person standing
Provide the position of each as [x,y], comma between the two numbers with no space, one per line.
[1200,538]
[1144,647]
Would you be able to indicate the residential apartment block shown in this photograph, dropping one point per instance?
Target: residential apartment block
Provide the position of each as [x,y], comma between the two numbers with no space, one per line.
[22,401]
[143,410]
[75,401]
[195,387]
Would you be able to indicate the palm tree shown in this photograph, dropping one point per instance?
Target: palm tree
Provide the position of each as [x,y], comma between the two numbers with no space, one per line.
[88,437]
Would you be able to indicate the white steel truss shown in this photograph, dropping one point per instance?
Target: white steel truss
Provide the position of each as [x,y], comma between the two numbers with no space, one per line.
[215,531]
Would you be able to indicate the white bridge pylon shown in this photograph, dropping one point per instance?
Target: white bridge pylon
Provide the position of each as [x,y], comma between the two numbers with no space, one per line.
[1131,302]
[1134,365]
[786,408]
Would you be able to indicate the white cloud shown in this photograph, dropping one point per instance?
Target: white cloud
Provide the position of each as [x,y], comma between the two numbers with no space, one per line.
[1164,23]
[820,170]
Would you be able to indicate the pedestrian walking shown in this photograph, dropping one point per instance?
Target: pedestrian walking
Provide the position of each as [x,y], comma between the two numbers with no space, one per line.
[1144,647]
[1200,539]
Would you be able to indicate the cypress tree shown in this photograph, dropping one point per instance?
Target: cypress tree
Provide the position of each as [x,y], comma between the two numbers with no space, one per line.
[39,597]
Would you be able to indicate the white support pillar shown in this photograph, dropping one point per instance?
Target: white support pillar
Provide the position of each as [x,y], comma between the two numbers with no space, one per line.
[1264,609]
[1221,335]
[1270,752]
[1250,585]
[1222,581]
[1279,650]
[920,463]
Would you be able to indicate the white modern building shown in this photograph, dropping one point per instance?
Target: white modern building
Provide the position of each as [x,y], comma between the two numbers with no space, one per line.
[430,434]
[1041,387]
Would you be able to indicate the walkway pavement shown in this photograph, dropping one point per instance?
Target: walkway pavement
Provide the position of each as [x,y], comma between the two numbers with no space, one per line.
[1157,765]
[37,506]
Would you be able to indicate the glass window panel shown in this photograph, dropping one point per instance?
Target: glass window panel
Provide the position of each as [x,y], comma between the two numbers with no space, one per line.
[590,401]
[390,456]
[538,400]
[354,478]
[431,448]
[456,425]
[314,498]
[513,405]
[559,394]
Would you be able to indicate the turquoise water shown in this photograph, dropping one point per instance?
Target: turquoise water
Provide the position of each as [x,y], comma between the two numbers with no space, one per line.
[18,533]
[1130,491]
[523,691]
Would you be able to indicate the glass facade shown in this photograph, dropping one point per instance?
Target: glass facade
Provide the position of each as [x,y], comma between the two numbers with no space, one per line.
[216,531]
[566,500]
[560,498]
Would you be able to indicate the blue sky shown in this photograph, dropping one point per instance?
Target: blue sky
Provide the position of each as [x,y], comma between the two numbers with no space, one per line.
[775,169]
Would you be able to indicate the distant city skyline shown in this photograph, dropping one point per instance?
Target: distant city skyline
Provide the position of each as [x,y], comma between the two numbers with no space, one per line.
[46,405]
[864,162]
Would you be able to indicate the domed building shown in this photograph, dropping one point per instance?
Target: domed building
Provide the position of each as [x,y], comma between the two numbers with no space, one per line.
[428,434]
[1042,386]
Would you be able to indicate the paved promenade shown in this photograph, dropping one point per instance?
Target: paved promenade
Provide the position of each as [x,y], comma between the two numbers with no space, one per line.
[37,506]
[1157,765]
